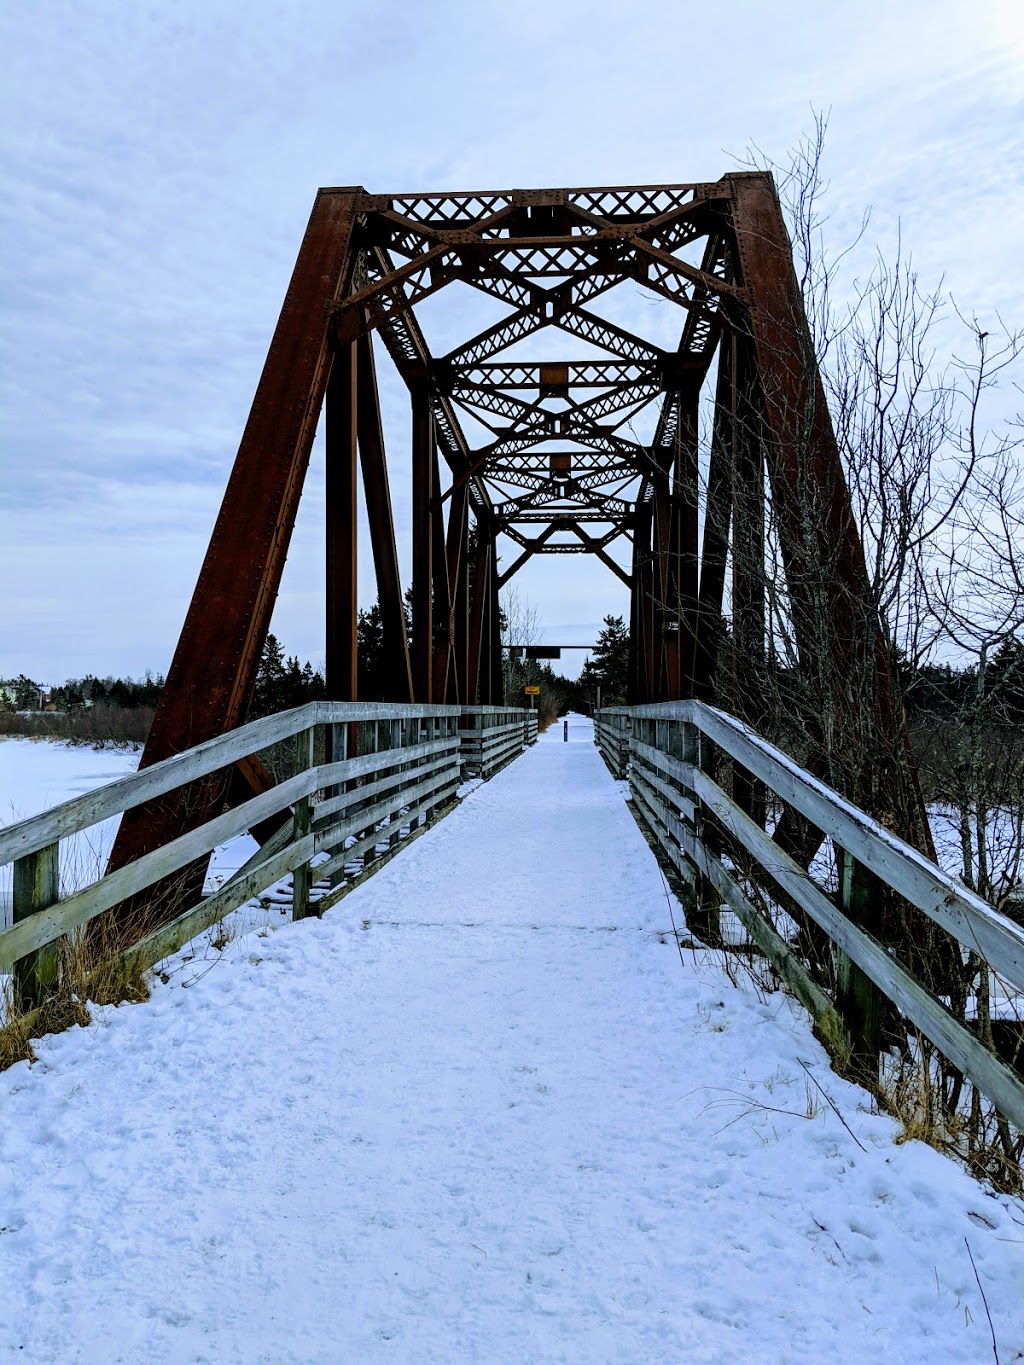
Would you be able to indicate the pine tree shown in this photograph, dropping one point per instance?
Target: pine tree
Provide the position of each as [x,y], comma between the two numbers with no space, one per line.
[370,654]
[267,697]
[608,666]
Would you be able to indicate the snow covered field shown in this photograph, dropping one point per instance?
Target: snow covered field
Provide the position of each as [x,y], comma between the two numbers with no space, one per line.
[484,1111]
[36,774]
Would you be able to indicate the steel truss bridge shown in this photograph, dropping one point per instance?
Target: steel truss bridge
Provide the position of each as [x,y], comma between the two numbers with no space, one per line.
[561,470]
[891,956]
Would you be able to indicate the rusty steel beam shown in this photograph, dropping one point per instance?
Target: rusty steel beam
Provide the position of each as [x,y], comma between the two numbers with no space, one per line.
[457,551]
[478,617]
[717,525]
[749,581]
[213,672]
[342,609]
[685,509]
[836,623]
[423,465]
[443,623]
[495,678]
[377,495]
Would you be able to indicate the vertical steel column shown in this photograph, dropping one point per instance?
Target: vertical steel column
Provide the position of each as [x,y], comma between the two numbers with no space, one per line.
[458,582]
[649,611]
[478,619]
[442,589]
[492,639]
[717,520]
[377,493]
[642,608]
[340,509]
[422,545]
[663,585]
[633,682]
[748,576]
[685,499]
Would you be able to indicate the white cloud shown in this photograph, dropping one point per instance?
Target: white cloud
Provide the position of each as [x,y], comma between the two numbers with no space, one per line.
[160,160]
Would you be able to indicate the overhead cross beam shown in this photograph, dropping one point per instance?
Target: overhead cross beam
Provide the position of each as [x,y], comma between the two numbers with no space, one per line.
[564,461]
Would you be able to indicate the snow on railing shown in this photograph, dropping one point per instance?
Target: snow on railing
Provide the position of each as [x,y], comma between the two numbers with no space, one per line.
[668,752]
[342,819]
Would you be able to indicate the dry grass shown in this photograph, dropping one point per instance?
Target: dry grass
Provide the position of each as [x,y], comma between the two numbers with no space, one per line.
[115,980]
[97,725]
[930,1099]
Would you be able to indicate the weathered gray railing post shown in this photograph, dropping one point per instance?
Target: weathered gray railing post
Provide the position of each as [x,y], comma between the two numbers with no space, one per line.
[339,752]
[397,728]
[36,886]
[690,746]
[859,999]
[300,826]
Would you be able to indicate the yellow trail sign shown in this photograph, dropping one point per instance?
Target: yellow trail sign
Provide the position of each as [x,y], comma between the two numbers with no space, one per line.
[532,691]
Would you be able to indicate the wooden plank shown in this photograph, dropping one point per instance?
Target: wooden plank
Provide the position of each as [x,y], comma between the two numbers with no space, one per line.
[373,815]
[771,943]
[280,839]
[396,783]
[859,998]
[991,1076]
[691,854]
[366,764]
[125,792]
[36,887]
[401,819]
[666,764]
[382,710]
[234,894]
[85,905]
[301,822]
[70,817]
[338,893]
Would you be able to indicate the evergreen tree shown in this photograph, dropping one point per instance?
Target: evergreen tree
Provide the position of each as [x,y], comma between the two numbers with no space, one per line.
[270,680]
[312,683]
[373,682]
[26,693]
[608,666]
[1004,678]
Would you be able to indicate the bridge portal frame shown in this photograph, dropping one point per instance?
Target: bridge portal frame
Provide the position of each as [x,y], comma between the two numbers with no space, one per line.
[544,254]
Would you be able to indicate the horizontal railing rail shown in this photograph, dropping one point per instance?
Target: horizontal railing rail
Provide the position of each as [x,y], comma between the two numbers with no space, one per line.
[492,736]
[611,735]
[343,817]
[666,748]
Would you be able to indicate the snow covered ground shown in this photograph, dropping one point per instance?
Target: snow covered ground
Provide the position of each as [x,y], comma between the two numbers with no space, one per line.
[484,1111]
[36,774]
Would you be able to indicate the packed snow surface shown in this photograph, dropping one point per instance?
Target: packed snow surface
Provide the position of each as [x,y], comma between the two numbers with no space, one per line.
[484,1111]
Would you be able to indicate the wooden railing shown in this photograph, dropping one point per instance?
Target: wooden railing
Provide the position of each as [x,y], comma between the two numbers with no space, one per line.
[670,753]
[343,820]
[611,735]
[492,736]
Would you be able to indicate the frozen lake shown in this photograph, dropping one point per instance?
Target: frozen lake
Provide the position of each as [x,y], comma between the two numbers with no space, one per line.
[37,774]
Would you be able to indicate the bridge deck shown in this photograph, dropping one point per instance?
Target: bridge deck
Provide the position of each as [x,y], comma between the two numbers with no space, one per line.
[481,1112]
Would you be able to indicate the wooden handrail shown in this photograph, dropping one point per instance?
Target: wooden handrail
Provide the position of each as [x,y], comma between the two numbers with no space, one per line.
[410,783]
[677,796]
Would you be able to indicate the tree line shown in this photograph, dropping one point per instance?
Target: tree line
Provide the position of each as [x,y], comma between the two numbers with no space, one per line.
[25,694]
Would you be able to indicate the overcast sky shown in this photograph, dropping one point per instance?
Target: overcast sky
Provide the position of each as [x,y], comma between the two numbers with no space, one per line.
[160,160]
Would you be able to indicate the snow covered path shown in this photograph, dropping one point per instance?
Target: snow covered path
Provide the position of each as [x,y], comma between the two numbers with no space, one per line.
[481,1112]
